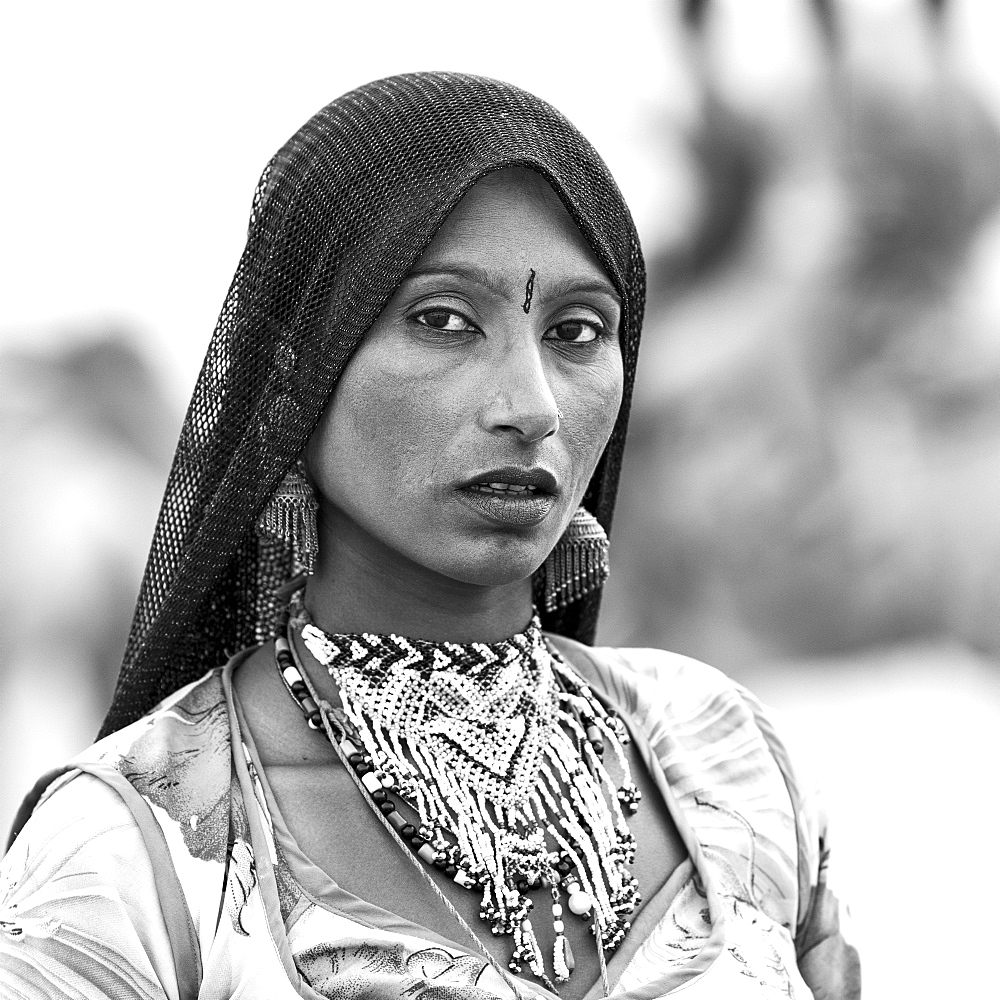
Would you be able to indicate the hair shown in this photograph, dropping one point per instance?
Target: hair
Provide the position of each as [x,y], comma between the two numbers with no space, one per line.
[340,214]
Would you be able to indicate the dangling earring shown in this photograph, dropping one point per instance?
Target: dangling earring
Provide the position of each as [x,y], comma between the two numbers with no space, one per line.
[578,564]
[290,516]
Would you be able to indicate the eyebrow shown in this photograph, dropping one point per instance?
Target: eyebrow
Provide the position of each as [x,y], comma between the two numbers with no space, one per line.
[468,272]
[550,289]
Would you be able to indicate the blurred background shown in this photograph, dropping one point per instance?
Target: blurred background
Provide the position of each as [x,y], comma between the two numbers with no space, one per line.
[811,497]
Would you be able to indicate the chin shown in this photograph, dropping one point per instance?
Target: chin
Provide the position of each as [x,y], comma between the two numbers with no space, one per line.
[498,569]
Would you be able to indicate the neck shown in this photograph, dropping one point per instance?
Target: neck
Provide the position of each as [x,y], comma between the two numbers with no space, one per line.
[361,585]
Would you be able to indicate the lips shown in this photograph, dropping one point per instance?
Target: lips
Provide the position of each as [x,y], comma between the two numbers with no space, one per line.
[539,479]
[511,495]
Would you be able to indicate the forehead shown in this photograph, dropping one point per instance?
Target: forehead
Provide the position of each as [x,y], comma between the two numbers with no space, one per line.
[513,219]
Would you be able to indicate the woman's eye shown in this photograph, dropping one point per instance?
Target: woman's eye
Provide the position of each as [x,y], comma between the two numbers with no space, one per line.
[445,320]
[575,331]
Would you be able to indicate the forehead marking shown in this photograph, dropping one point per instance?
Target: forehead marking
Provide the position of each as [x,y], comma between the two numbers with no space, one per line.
[529,290]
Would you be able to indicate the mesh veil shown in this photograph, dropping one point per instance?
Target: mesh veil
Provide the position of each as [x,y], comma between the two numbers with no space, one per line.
[339,216]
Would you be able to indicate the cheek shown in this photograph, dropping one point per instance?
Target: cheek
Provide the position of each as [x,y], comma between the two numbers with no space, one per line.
[383,430]
[589,414]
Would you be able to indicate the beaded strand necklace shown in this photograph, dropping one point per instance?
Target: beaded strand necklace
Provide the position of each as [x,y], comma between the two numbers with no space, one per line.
[496,751]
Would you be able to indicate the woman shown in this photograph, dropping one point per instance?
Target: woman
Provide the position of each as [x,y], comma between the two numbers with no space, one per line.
[417,394]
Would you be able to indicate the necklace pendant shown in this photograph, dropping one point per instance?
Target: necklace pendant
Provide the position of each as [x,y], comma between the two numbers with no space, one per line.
[563,962]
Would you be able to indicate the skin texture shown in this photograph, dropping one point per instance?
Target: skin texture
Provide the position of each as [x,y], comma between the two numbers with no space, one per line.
[455,379]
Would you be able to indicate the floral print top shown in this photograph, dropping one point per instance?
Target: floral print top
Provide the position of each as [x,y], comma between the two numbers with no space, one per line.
[157,866]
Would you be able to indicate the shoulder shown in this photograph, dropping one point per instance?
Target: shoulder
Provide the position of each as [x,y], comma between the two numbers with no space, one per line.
[642,667]
[697,714]
[710,734]
[698,720]
[162,782]
[658,685]
[176,755]
[180,729]
[724,758]
[176,758]
[76,811]
[115,848]
[190,714]
[175,765]
[78,894]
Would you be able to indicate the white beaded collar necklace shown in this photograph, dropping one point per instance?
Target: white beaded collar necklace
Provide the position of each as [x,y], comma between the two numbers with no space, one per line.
[485,760]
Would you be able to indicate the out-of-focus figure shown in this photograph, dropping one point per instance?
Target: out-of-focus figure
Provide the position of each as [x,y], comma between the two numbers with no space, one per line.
[86,440]
[820,423]
[811,495]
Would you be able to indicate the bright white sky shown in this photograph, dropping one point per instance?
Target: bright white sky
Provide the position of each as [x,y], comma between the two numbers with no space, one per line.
[134,132]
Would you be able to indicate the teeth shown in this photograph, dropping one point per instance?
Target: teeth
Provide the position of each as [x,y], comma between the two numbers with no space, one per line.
[504,488]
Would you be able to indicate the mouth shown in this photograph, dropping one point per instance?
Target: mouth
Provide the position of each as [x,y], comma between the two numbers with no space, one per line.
[511,496]
[511,488]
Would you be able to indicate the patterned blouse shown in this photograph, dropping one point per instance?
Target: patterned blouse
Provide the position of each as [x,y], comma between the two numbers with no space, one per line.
[158,866]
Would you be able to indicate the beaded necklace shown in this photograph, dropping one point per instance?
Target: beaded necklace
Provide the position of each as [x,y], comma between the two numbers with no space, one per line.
[486,759]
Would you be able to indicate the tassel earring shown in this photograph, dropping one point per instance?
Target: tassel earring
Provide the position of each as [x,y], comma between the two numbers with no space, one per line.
[290,516]
[578,564]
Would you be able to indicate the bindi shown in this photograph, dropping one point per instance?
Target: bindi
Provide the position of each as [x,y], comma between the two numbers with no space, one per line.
[529,290]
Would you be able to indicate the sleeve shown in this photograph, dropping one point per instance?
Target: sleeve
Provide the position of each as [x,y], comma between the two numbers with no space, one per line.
[828,961]
[79,910]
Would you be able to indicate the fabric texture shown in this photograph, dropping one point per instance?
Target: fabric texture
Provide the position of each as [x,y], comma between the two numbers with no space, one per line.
[82,910]
[339,216]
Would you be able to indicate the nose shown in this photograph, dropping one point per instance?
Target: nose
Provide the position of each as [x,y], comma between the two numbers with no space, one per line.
[519,398]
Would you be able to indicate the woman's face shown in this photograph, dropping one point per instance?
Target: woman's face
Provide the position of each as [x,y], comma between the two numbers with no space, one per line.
[465,429]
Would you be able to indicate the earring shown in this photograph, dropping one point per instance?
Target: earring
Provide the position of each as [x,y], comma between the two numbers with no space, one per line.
[578,564]
[290,516]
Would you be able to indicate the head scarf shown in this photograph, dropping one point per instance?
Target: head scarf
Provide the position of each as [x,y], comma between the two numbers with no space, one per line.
[340,215]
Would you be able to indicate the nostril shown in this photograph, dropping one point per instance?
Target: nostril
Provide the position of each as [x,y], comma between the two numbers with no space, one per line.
[531,427]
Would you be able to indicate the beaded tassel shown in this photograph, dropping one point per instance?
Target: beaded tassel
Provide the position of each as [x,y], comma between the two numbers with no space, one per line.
[563,962]
[497,749]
